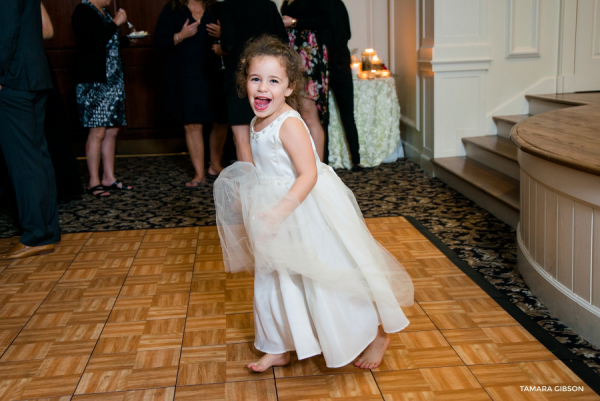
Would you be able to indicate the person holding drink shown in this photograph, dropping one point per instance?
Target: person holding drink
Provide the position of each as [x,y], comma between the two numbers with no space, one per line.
[100,88]
[186,31]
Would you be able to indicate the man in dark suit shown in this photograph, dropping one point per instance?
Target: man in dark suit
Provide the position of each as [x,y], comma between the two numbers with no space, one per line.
[340,78]
[242,20]
[24,80]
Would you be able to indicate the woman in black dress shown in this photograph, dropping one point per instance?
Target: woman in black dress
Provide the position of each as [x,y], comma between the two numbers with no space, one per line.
[100,88]
[308,23]
[193,79]
[239,24]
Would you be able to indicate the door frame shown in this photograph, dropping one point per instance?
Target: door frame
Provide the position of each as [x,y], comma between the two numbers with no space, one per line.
[565,82]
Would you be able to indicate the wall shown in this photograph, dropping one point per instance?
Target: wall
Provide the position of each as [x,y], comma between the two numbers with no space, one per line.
[143,68]
[524,51]
[411,44]
[460,62]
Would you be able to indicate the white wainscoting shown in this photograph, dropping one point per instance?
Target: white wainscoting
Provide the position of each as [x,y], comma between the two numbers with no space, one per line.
[559,241]
[459,106]
[523,28]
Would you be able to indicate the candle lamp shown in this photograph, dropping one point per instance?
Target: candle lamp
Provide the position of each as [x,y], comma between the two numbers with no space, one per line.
[376,63]
[366,60]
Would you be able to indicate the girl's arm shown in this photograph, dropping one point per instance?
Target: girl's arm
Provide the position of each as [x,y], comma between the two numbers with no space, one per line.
[296,142]
[47,28]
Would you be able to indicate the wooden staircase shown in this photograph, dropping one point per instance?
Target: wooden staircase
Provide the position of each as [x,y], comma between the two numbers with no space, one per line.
[489,173]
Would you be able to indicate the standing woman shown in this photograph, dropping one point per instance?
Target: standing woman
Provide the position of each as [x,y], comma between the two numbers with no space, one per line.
[194,83]
[308,23]
[100,88]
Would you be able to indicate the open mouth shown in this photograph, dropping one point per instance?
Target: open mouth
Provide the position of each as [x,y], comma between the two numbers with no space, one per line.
[261,103]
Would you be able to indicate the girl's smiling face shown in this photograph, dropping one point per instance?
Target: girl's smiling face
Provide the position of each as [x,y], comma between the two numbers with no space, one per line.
[268,86]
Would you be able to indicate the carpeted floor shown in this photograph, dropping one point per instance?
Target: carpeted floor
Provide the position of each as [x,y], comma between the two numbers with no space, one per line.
[161,200]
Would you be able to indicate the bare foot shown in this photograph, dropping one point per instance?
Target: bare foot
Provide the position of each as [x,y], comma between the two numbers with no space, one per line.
[373,355]
[215,171]
[269,360]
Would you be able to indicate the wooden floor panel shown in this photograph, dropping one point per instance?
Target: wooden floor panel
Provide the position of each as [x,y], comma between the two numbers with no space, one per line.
[152,315]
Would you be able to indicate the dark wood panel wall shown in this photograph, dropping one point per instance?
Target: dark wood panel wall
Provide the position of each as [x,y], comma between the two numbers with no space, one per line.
[147,118]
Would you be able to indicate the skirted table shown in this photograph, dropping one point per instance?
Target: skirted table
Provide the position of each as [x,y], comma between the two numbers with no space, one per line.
[377,116]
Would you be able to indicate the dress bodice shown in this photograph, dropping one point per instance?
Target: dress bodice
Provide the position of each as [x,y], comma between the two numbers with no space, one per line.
[272,162]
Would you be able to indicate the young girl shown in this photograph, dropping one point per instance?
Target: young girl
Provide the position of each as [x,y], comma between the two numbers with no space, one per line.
[322,283]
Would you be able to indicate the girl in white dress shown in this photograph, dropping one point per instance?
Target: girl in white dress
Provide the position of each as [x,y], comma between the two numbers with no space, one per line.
[322,283]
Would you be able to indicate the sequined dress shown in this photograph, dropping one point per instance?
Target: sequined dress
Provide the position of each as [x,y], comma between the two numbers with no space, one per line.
[103,104]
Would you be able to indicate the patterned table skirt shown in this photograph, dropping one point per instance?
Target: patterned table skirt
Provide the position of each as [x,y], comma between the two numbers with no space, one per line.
[377,116]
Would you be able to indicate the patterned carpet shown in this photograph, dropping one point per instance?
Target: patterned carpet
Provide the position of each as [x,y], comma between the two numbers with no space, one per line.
[487,244]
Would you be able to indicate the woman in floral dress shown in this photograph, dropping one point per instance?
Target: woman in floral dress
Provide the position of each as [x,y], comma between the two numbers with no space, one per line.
[308,24]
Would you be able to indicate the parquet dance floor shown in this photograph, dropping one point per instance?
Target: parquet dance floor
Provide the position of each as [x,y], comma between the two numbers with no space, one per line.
[151,315]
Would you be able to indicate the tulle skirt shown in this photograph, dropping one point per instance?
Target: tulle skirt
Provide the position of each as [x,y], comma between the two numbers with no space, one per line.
[322,282]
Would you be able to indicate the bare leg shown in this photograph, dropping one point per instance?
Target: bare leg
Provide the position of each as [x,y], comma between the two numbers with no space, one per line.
[217,141]
[108,157]
[310,115]
[241,137]
[373,355]
[269,360]
[93,151]
[195,144]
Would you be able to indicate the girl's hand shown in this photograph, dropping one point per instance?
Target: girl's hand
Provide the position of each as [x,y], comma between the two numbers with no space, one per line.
[287,21]
[120,18]
[236,206]
[214,30]
[266,225]
[188,29]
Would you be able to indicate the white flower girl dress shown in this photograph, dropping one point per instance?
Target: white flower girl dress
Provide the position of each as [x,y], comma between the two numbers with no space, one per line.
[322,283]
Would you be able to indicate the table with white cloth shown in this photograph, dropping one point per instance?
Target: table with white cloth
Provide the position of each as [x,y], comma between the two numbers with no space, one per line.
[377,117]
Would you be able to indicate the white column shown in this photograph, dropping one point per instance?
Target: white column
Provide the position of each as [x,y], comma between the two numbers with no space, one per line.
[459,61]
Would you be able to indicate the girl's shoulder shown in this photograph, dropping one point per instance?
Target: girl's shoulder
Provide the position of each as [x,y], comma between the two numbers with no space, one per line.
[274,128]
[292,124]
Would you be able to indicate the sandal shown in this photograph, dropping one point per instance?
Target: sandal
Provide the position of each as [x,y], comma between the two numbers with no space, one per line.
[98,191]
[116,187]
[198,184]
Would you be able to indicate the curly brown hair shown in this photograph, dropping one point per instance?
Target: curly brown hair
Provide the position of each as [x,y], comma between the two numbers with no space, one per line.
[181,4]
[270,46]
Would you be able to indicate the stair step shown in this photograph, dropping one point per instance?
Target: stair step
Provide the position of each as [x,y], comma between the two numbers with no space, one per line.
[495,144]
[512,119]
[492,182]
[572,100]
[505,123]
[539,104]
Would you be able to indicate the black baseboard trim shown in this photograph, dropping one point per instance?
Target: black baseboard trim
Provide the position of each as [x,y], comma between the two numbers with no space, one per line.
[572,361]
